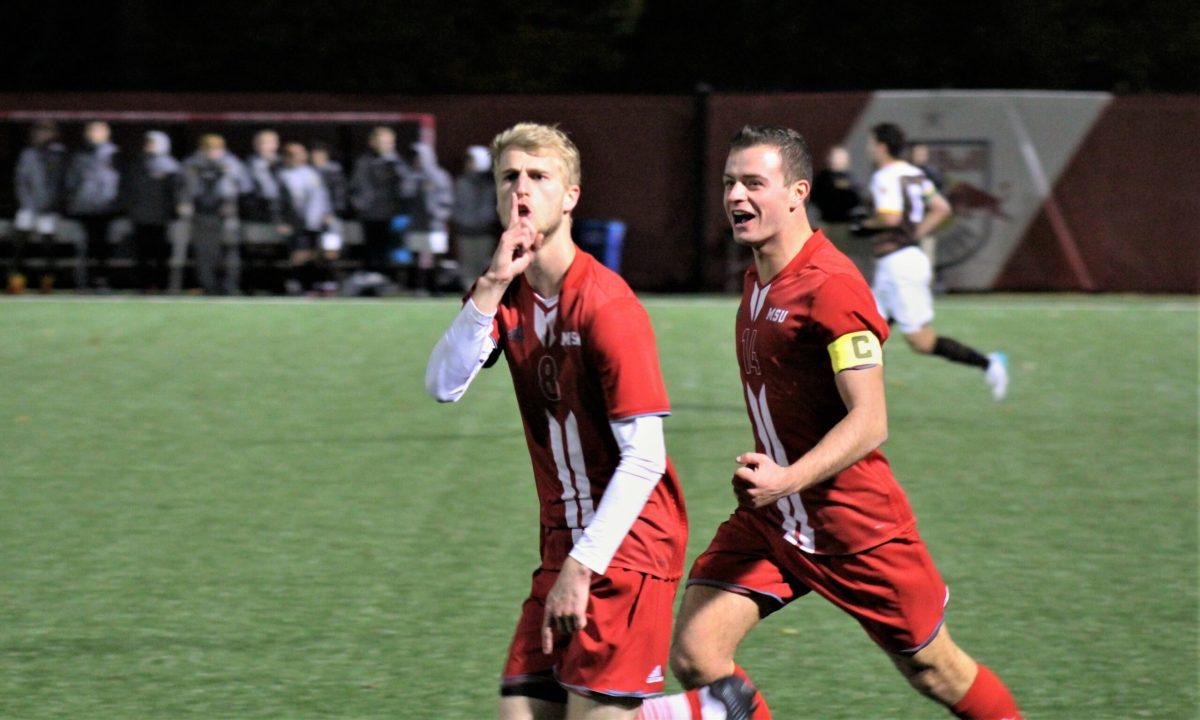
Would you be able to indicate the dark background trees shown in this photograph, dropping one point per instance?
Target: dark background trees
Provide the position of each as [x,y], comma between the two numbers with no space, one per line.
[441,46]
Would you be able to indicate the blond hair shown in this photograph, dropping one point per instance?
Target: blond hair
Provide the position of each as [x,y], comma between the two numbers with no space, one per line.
[212,141]
[532,137]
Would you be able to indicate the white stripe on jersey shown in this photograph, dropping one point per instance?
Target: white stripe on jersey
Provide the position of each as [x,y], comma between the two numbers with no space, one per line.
[583,492]
[543,320]
[758,423]
[779,454]
[570,494]
[796,529]
[758,298]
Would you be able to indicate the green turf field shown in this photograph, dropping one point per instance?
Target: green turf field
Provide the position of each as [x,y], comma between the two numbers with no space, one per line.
[251,510]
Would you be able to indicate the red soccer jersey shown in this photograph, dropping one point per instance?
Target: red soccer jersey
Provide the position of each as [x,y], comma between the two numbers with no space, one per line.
[783,331]
[578,362]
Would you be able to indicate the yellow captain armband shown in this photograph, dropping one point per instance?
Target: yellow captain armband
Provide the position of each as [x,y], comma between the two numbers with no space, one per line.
[854,350]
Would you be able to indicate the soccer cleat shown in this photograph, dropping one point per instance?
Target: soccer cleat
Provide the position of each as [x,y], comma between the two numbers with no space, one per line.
[997,375]
[736,695]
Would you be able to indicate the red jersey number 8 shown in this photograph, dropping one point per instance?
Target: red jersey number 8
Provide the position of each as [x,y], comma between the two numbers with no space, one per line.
[548,378]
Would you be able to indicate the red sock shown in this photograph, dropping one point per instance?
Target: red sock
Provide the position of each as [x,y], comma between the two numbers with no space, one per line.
[987,699]
[761,711]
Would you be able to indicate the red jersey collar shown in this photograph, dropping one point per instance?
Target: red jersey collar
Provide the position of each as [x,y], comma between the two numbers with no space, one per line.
[810,247]
[572,280]
[575,273]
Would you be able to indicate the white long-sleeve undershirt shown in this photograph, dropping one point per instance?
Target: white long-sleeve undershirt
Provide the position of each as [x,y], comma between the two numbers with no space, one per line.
[457,359]
[460,354]
[643,461]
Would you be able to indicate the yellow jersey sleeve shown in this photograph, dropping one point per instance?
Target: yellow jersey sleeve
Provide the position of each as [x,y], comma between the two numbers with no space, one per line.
[856,349]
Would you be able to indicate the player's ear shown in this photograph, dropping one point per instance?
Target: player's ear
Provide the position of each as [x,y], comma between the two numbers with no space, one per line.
[799,193]
[571,198]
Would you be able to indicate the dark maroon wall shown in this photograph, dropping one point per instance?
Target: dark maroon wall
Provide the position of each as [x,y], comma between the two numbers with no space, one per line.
[1131,197]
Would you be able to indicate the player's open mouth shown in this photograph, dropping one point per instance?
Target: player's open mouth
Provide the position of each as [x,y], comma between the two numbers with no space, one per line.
[523,210]
[741,217]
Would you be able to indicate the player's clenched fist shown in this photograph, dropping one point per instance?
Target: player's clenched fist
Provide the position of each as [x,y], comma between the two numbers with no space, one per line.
[760,481]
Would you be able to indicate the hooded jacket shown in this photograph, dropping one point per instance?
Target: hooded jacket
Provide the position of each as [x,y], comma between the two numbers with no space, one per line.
[151,186]
[93,181]
[212,186]
[263,202]
[305,198]
[382,186]
[335,182]
[435,192]
[40,177]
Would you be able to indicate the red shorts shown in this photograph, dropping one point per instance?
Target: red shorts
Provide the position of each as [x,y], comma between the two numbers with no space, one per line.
[893,590]
[621,653]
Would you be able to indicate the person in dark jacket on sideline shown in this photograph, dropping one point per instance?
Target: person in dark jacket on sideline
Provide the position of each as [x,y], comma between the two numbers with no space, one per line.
[428,234]
[93,185]
[381,188]
[213,179]
[837,199]
[40,180]
[262,204]
[475,215]
[151,190]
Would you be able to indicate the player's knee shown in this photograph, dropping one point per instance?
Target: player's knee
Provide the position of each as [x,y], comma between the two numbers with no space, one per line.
[921,342]
[690,667]
[686,670]
[696,665]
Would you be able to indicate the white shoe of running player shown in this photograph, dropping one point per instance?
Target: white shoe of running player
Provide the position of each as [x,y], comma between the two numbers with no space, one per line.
[997,375]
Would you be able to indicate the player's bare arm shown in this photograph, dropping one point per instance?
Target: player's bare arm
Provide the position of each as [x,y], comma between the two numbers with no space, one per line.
[514,253]
[761,482]
[937,212]
[566,604]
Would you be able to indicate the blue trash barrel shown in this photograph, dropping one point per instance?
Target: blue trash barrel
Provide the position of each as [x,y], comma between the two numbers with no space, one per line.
[603,240]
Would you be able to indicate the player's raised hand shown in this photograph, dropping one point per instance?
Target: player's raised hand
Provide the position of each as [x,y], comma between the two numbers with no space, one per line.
[760,481]
[514,252]
[566,603]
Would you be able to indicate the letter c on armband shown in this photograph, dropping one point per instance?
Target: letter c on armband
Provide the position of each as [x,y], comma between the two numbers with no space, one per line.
[855,350]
